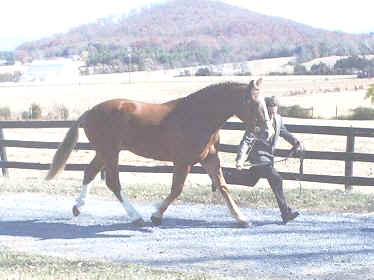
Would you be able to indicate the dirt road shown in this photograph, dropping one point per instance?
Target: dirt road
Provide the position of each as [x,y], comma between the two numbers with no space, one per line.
[193,238]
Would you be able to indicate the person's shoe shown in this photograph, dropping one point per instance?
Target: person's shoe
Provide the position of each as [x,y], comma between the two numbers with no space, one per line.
[289,216]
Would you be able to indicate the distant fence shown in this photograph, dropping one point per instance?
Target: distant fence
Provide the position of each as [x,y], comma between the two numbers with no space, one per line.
[349,156]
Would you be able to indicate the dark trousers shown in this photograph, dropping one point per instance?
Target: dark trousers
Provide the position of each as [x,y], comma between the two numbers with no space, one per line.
[275,181]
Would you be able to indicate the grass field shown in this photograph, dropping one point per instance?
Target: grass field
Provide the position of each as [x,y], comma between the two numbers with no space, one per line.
[308,91]
[32,267]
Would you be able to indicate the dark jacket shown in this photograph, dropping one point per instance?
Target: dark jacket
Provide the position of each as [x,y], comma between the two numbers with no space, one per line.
[256,148]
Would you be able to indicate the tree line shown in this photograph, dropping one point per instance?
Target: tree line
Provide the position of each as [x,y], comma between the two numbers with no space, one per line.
[353,65]
[111,58]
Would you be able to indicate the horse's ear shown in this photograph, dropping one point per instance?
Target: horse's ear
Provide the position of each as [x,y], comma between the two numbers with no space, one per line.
[259,82]
[128,107]
[254,88]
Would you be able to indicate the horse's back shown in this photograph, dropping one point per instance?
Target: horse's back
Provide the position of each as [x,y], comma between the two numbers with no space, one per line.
[138,111]
[124,124]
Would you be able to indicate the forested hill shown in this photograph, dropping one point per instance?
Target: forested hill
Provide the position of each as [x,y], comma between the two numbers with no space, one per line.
[192,32]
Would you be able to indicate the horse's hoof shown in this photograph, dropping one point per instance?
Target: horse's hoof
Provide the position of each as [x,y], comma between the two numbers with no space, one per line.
[291,215]
[138,222]
[244,224]
[156,220]
[76,211]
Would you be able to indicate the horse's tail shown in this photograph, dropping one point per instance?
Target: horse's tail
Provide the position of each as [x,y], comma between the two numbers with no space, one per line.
[64,150]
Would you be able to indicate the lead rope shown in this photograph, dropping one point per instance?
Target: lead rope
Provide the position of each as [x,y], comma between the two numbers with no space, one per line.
[249,164]
[301,169]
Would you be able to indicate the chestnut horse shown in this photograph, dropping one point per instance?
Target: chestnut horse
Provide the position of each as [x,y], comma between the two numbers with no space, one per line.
[183,131]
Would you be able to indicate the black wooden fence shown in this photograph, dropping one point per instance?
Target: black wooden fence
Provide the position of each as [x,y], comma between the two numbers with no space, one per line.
[349,156]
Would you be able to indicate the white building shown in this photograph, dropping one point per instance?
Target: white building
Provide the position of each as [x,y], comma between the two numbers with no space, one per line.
[54,70]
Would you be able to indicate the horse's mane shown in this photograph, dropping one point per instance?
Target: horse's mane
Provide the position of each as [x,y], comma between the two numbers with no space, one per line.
[211,89]
[191,103]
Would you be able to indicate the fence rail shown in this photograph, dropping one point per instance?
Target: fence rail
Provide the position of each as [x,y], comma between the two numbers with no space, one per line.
[349,156]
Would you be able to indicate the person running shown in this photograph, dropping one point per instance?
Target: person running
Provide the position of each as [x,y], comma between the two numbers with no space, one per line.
[258,149]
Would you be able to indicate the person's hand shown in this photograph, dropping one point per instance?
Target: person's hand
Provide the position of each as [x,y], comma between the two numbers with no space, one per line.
[239,165]
[269,132]
[298,146]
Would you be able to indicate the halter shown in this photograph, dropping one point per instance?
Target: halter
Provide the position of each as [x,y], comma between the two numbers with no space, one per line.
[268,125]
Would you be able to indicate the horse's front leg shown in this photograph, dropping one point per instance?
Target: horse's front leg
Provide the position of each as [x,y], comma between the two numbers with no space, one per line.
[213,167]
[179,177]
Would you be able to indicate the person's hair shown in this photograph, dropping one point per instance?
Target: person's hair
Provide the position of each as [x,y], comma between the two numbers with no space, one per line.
[271,101]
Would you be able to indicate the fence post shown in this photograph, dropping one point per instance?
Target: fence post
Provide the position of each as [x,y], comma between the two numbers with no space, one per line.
[349,163]
[3,155]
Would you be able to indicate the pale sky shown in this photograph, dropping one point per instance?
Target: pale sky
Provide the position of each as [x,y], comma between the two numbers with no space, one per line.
[25,20]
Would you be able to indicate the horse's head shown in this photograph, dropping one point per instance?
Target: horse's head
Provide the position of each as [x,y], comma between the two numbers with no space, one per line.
[252,108]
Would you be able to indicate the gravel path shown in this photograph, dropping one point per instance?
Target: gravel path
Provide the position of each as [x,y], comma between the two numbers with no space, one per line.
[193,238]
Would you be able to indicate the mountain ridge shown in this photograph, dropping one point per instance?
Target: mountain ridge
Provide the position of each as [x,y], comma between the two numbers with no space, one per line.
[195,32]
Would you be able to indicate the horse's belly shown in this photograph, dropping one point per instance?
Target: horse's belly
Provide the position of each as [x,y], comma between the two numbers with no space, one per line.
[167,144]
[156,146]
[157,153]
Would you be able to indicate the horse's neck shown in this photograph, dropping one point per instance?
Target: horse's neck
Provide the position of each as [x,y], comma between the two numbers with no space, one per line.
[204,111]
[216,112]
[215,120]
[206,117]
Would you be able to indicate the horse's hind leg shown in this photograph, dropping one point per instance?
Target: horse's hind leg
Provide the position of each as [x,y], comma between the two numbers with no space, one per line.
[179,177]
[213,167]
[90,173]
[113,183]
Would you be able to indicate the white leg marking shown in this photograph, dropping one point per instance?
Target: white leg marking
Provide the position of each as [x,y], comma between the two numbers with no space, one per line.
[131,211]
[157,213]
[81,200]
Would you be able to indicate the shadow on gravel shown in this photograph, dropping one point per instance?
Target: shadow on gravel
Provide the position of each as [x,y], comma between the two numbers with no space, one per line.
[45,230]
[168,223]
[368,230]
[267,223]
[171,223]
